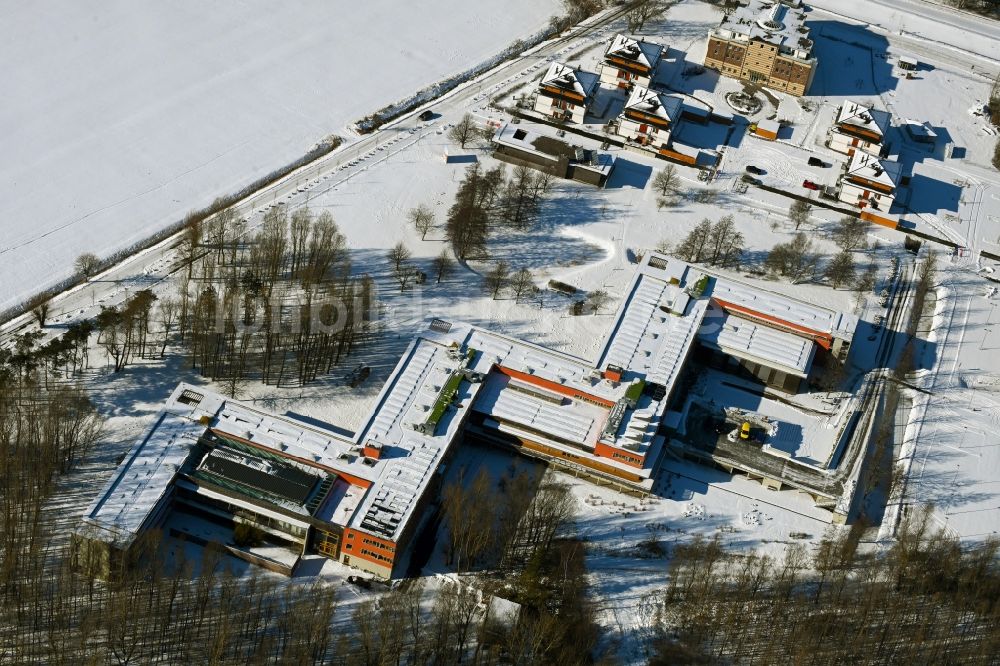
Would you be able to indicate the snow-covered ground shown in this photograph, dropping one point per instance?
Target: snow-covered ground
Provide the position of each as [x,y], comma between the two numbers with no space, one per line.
[120,117]
[586,237]
[950,445]
[920,21]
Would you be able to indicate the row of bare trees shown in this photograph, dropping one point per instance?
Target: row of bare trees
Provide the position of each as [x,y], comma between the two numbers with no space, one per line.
[279,304]
[200,612]
[503,523]
[488,201]
[44,433]
[716,243]
[515,532]
[59,606]
[926,599]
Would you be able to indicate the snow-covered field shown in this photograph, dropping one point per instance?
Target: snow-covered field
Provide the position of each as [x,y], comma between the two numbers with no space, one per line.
[950,445]
[119,117]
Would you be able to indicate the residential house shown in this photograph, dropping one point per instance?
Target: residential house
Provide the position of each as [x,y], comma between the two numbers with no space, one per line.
[649,117]
[859,127]
[630,62]
[520,146]
[565,93]
[870,182]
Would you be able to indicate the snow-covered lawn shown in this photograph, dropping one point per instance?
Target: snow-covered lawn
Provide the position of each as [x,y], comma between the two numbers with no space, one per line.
[118,118]
[950,444]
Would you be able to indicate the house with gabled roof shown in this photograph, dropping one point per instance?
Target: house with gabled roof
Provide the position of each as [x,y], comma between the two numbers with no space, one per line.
[649,117]
[859,127]
[565,93]
[630,62]
[870,182]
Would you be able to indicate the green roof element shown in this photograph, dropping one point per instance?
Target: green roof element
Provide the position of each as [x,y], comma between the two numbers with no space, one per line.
[634,391]
[699,287]
[444,399]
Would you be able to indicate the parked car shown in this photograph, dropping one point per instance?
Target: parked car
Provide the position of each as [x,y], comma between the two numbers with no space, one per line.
[750,179]
[755,170]
[815,161]
[809,185]
[360,582]
[426,115]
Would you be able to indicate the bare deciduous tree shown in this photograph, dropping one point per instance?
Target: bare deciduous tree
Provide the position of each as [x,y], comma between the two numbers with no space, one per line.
[497,279]
[87,264]
[442,265]
[644,11]
[522,284]
[795,259]
[169,309]
[840,269]
[422,219]
[398,254]
[851,234]
[41,312]
[463,130]
[866,281]
[799,212]
[667,186]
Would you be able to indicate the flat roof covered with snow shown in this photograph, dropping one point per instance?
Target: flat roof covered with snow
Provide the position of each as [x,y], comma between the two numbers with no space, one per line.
[744,339]
[411,397]
[550,148]
[134,492]
[790,310]
[772,126]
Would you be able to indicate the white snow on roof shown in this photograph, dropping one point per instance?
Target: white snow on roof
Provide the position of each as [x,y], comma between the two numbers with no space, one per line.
[134,492]
[772,126]
[647,340]
[655,328]
[644,53]
[654,103]
[506,399]
[791,310]
[742,338]
[410,458]
[854,114]
[523,139]
[875,169]
[576,80]
[918,129]
[772,22]
[341,503]
[575,420]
